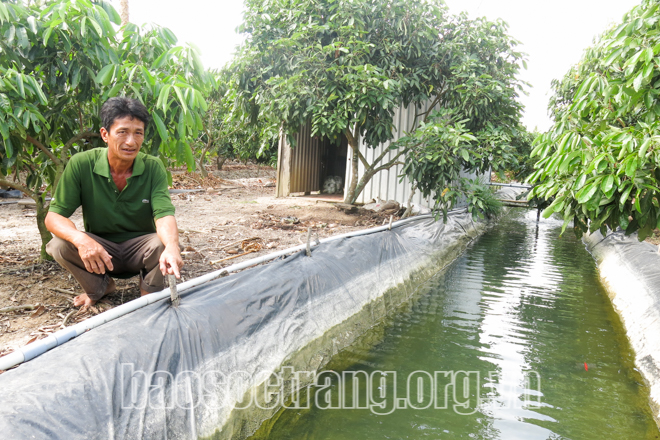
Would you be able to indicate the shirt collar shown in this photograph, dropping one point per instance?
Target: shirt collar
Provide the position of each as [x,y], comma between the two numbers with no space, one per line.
[102,167]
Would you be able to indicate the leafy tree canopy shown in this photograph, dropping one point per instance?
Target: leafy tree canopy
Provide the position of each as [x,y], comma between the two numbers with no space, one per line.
[474,123]
[345,66]
[232,134]
[600,160]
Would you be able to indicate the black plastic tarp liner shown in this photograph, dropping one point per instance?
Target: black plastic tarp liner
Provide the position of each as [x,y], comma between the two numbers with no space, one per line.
[249,321]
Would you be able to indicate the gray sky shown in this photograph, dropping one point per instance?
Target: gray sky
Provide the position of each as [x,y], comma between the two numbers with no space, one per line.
[553,33]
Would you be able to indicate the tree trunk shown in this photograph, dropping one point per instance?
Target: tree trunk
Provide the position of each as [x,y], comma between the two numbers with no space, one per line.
[370,169]
[351,195]
[202,168]
[220,161]
[368,174]
[408,211]
[46,236]
[123,11]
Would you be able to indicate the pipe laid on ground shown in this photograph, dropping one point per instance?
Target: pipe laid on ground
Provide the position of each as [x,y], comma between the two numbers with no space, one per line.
[41,346]
[511,185]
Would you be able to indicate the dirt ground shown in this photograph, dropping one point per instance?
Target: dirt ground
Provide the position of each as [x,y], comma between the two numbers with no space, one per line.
[232,213]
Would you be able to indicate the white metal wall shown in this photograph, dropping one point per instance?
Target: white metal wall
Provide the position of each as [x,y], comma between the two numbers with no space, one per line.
[386,184]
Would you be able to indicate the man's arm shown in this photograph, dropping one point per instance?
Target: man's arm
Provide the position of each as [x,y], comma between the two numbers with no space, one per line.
[170,259]
[95,258]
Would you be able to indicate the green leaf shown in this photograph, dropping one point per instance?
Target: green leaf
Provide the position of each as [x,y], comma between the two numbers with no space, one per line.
[637,82]
[32,24]
[579,183]
[181,126]
[624,197]
[113,91]
[649,54]
[4,13]
[46,35]
[10,34]
[163,98]
[182,101]
[644,148]
[165,56]
[465,155]
[607,184]
[105,75]
[4,130]
[23,40]
[37,89]
[631,167]
[190,159]
[96,26]
[160,126]
[9,147]
[556,206]
[5,104]
[147,76]
[19,83]
[586,193]
[112,13]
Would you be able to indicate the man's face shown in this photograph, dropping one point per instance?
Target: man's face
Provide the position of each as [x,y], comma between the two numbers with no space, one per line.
[124,138]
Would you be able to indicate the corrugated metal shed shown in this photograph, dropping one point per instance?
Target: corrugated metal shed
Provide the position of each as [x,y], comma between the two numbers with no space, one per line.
[300,170]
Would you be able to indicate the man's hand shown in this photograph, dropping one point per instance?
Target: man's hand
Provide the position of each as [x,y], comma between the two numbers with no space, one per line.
[170,261]
[95,257]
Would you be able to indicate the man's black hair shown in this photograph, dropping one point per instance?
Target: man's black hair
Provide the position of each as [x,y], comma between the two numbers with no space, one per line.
[120,107]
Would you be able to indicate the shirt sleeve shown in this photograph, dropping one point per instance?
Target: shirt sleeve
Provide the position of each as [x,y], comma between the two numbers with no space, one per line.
[161,203]
[67,196]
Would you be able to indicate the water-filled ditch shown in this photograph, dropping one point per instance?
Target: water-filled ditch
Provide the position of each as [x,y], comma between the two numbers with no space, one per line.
[515,340]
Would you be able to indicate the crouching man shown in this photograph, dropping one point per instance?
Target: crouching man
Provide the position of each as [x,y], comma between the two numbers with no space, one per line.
[128,215]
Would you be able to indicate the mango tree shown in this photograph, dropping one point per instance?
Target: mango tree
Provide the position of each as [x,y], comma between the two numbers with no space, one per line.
[473,124]
[59,61]
[601,158]
[345,67]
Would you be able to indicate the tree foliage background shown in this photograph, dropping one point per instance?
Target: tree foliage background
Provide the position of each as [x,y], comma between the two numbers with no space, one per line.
[345,66]
[230,133]
[600,160]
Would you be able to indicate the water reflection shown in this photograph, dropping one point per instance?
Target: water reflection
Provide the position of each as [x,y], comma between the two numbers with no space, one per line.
[512,323]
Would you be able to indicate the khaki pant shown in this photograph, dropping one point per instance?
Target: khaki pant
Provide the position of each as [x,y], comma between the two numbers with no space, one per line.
[137,255]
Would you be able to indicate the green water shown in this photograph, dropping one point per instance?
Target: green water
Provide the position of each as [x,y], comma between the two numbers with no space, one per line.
[508,327]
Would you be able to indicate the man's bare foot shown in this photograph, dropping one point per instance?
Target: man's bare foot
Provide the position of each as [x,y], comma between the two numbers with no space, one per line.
[85,301]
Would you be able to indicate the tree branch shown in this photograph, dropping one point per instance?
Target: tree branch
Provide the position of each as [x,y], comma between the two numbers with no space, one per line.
[18,186]
[391,163]
[383,154]
[408,211]
[80,116]
[351,139]
[433,104]
[426,113]
[387,166]
[40,146]
[77,138]
[363,159]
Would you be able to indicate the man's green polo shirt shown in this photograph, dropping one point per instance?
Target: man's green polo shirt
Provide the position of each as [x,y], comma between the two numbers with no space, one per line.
[108,213]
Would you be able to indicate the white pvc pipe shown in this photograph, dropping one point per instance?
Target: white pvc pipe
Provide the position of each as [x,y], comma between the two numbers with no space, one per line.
[41,346]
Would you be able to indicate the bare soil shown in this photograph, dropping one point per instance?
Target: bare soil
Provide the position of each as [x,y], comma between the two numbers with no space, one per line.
[232,213]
